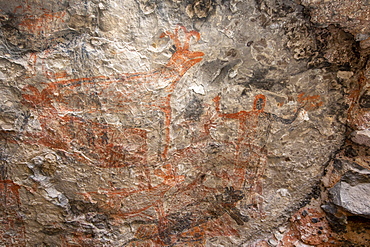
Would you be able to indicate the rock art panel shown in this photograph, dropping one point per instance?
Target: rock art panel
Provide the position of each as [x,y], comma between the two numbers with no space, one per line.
[121,126]
[134,96]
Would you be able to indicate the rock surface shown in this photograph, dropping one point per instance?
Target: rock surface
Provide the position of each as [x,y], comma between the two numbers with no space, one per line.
[361,137]
[180,123]
[351,193]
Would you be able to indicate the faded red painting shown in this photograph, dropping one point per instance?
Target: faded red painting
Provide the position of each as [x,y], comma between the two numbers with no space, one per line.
[12,232]
[173,208]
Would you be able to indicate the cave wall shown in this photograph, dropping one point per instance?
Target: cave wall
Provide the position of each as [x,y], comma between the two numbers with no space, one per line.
[184,123]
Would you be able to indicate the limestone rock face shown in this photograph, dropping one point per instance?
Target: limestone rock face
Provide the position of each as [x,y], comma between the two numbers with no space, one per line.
[351,193]
[169,123]
[353,16]
[361,137]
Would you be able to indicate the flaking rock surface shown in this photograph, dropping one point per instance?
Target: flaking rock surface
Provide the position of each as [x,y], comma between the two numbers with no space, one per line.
[164,123]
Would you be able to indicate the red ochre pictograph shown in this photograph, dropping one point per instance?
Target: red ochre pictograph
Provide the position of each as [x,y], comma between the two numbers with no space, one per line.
[62,107]
[12,232]
[173,208]
[250,157]
[38,25]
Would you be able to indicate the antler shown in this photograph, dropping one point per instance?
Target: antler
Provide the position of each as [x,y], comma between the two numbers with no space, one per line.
[175,37]
[183,59]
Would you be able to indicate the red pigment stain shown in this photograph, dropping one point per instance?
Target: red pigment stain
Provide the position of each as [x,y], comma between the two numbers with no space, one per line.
[12,232]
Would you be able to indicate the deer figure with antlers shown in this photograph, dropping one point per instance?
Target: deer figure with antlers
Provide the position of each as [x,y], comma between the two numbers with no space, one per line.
[73,113]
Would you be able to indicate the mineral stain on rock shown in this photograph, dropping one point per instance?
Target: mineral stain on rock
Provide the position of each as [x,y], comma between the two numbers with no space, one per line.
[194,109]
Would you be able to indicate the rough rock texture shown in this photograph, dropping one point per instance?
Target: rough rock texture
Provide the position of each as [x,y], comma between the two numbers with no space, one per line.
[349,194]
[184,123]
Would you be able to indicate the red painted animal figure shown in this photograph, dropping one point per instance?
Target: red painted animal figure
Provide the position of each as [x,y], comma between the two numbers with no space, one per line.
[106,120]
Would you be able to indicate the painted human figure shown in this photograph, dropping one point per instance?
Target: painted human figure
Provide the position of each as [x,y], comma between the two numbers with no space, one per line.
[249,156]
[250,151]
